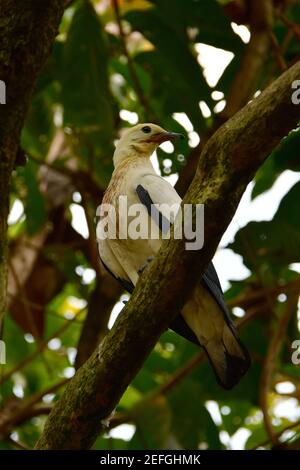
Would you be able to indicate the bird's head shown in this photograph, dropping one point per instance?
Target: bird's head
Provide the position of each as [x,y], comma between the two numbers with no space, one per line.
[142,140]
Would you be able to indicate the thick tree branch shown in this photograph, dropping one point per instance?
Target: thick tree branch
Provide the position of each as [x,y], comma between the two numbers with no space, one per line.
[27,31]
[227,164]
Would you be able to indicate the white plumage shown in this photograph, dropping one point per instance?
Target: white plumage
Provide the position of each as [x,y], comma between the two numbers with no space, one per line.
[204,317]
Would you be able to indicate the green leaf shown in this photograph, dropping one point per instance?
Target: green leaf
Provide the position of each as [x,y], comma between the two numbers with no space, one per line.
[264,245]
[172,58]
[34,203]
[39,126]
[192,423]
[285,157]
[152,418]
[86,98]
[239,411]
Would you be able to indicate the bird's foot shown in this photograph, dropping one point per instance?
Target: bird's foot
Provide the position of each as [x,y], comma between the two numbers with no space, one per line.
[142,268]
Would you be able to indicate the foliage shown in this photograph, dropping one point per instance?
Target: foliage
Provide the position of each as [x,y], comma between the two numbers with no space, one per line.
[82,94]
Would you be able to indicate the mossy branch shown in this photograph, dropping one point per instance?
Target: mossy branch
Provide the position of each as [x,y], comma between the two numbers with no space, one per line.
[227,164]
[27,32]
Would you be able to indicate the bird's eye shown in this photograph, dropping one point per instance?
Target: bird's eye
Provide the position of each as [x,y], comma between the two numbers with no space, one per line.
[146,129]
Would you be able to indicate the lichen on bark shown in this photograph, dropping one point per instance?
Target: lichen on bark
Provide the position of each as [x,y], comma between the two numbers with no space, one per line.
[227,164]
[27,32]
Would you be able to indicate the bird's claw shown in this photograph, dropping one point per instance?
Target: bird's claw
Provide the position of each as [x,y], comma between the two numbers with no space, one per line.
[142,268]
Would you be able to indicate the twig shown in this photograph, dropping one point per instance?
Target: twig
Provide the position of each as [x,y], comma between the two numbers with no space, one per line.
[137,85]
[176,378]
[38,306]
[292,26]
[43,344]
[286,428]
[256,295]
[243,85]
[269,364]
[274,344]
[81,179]
[277,53]
[28,409]
[24,297]
[29,314]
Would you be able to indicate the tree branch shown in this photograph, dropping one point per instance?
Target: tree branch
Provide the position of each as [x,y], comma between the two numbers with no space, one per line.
[27,32]
[227,164]
[243,85]
[269,363]
[130,64]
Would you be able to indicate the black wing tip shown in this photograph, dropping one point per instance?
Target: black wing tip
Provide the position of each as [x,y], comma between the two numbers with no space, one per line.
[127,285]
[235,371]
[229,373]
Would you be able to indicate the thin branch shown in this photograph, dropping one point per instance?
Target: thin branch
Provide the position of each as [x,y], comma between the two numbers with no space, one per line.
[136,82]
[277,53]
[269,364]
[243,84]
[43,344]
[82,179]
[28,409]
[29,315]
[292,26]
[278,435]
[255,296]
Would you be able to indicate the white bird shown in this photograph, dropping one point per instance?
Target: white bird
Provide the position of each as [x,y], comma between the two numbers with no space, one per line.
[204,319]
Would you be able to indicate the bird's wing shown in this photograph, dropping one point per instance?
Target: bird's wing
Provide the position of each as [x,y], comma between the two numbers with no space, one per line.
[127,285]
[211,281]
[159,189]
[112,264]
[160,199]
[152,189]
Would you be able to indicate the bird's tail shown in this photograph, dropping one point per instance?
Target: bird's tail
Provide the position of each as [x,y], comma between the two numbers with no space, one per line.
[228,357]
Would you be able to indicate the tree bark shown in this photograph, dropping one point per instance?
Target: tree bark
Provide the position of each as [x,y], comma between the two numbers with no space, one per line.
[27,32]
[227,164]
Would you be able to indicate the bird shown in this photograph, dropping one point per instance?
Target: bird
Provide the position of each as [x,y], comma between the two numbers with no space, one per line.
[204,319]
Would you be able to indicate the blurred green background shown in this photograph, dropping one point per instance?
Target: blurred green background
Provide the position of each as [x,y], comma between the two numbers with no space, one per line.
[176,63]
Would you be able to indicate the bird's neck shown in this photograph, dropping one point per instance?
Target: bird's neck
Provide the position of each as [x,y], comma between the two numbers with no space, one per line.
[134,154]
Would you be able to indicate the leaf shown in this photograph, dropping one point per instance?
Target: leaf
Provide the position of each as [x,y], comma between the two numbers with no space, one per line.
[239,411]
[285,156]
[52,70]
[192,423]
[39,128]
[190,86]
[86,98]
[265,245]
[152,418]
[105,443]
[34,203]
[257,437]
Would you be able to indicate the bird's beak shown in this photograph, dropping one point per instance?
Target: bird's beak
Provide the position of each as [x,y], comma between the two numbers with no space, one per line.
[164,137]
